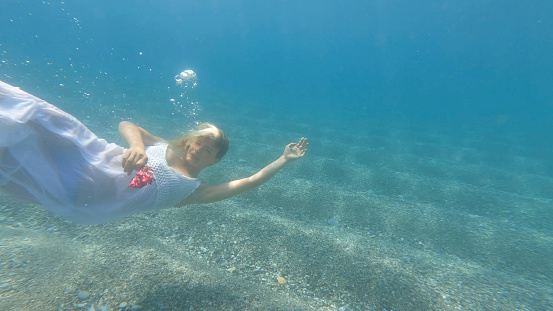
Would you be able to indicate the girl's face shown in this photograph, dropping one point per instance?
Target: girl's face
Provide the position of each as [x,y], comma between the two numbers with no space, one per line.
[201,153]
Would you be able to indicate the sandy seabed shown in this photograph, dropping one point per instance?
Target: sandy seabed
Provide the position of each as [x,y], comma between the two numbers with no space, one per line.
[397,219]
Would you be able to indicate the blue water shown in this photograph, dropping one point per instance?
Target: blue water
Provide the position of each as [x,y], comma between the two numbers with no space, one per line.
[432,60]
[445,104]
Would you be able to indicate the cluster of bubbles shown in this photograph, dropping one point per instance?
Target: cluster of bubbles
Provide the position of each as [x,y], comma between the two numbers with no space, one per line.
[186,81]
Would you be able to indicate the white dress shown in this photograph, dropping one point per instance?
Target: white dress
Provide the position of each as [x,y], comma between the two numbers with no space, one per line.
[48,157]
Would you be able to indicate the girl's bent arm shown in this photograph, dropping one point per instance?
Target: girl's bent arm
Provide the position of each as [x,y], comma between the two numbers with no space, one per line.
[138,138]
[135,135]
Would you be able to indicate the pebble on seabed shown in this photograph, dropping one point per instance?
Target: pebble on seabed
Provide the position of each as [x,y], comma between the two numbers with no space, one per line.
[83,295]
[333,222]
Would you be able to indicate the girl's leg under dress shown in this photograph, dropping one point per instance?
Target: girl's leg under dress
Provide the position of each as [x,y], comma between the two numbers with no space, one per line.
[49,157]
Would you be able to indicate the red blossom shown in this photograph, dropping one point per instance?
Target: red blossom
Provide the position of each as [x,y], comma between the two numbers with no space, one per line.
[144,177]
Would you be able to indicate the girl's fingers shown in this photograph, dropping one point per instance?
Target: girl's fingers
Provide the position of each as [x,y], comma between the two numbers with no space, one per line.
[302,143]
[124,158]
[129,164]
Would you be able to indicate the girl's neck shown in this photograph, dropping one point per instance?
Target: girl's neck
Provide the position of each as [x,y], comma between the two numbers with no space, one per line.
[178,164]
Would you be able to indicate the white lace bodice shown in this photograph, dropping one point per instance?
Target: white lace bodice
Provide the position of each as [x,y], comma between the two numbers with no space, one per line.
[172,187]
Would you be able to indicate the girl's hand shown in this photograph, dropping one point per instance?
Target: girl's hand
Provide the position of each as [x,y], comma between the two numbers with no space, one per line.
[295,151]
[133,159]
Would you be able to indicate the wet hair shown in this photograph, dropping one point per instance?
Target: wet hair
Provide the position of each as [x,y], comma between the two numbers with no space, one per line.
[207,130]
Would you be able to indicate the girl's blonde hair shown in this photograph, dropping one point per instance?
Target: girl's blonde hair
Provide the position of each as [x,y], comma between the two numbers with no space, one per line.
[203,130]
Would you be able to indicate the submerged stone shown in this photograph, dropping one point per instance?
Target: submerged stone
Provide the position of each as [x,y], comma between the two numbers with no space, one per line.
[83,295]
[333,222]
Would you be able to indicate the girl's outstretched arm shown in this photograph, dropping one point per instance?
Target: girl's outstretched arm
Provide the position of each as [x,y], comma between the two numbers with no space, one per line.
[138,138]
[213,193]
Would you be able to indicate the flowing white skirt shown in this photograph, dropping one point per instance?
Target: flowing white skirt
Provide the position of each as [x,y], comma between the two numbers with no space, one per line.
[47,156]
